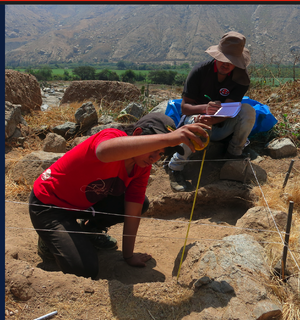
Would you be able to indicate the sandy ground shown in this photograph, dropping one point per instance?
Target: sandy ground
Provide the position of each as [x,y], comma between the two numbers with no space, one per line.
[123,292]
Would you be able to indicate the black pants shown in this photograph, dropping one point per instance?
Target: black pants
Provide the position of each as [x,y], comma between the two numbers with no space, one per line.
[72,249]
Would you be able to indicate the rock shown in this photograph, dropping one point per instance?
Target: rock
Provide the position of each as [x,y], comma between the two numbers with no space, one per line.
[66,130]
[27,170]
[86,116]
[281,148]
[78,140]
[202,281]
[96,129]
[260,218]
[240,171]
[44,107]
[134,109]
[54,143]
[23,89]
[231,274]
[161,107]
[96,90]
[105,119]
[13,118]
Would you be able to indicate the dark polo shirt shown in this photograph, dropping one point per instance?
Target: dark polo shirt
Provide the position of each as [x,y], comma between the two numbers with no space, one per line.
[203,80]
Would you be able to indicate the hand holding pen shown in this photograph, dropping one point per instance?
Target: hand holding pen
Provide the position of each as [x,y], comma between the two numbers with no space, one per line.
[213,106]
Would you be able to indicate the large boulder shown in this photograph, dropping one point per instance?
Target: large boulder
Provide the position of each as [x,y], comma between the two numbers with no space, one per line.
[96,90]
[27,170]
[23,89]
[230,279]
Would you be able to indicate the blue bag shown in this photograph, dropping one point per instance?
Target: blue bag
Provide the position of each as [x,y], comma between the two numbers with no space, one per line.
[264,118]
[174,110]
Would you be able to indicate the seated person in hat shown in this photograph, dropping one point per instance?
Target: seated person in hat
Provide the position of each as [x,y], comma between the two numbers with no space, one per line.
[99,183]
[222,79]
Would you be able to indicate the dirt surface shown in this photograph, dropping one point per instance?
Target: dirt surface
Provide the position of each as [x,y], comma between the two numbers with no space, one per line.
[35,288]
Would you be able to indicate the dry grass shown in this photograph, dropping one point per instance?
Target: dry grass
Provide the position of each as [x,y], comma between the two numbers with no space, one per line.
[278,199]
[54,116]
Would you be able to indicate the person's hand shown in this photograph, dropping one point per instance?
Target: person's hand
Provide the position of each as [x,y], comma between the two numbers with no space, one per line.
[209,120]
[213,107]
[138,259]
[189,132]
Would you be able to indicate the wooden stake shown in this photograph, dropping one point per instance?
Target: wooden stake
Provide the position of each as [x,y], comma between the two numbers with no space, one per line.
[286,240]
[288,174]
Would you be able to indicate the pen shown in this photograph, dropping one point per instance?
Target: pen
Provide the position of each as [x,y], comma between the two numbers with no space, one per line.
[206,96]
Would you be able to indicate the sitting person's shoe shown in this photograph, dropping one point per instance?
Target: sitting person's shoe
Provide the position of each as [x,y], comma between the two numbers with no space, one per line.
[43,250]
[100,241]
[177,181]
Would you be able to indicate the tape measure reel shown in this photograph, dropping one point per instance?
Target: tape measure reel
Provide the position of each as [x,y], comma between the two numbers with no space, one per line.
[203,139]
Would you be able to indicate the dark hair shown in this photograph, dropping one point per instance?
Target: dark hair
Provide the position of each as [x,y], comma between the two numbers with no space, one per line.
[129,129]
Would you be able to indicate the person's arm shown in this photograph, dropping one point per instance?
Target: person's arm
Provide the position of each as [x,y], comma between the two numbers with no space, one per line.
[122,148]
[131,225]
[189,107]
[212,108]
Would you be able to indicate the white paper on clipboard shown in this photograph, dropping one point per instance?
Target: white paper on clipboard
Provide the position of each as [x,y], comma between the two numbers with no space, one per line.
[228,109]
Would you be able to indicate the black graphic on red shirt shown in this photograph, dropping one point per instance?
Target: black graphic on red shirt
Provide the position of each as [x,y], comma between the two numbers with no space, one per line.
[99,189]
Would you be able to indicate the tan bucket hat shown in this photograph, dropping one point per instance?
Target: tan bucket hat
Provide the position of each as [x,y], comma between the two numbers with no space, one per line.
[231,49]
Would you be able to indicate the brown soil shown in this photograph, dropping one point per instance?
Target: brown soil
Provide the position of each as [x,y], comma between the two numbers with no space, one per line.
[34,288]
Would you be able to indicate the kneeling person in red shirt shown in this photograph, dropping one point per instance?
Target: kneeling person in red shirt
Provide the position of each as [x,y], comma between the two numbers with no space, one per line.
[101,182]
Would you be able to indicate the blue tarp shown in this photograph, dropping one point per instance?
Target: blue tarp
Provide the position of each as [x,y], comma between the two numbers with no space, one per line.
[174,110]
[264,118]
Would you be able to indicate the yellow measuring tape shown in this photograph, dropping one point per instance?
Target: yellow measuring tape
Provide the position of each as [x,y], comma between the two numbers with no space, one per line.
[192,212]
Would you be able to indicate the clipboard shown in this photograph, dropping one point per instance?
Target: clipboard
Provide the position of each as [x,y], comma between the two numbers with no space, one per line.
[228,110]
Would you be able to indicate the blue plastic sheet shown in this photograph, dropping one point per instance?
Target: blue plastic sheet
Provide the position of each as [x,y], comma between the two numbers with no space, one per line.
[174,110]
[265,121]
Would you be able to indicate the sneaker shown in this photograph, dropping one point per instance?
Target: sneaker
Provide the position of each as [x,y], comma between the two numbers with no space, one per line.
[177,181]
[100,241]
[103,241]
[43,250]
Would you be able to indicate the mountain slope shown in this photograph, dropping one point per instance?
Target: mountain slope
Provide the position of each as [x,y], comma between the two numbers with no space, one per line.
[145,33]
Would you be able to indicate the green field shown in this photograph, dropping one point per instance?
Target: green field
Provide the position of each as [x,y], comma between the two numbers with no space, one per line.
[261,81]
[119,72]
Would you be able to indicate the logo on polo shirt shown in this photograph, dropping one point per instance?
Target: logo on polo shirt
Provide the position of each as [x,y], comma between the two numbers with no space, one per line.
[224,92]
[46,175]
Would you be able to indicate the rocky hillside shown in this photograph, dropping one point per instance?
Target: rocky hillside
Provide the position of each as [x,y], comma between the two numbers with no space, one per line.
[145,33]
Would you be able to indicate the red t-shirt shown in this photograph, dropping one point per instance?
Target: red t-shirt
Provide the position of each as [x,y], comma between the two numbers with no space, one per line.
[79,179]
